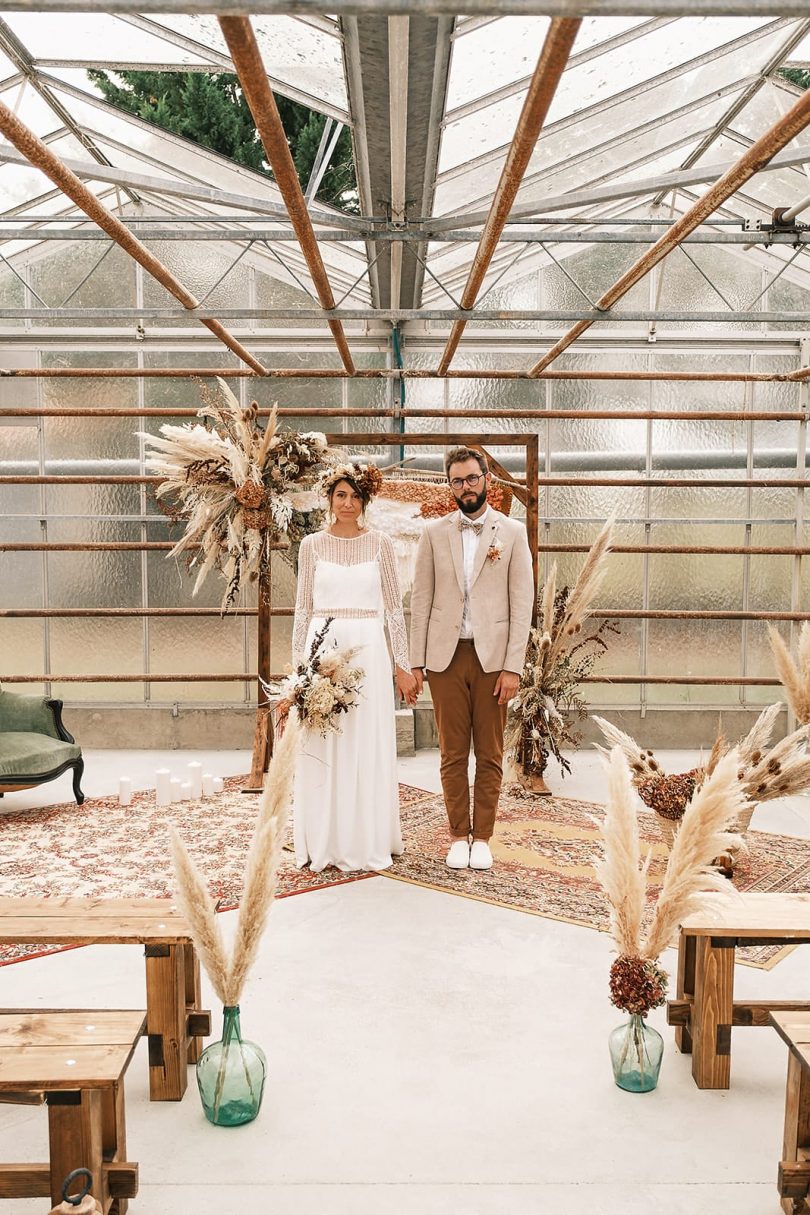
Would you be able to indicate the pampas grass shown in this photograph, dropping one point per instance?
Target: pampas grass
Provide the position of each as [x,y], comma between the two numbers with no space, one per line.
[643,764]
[705,833]
[578,605]
[229,974]
[795,676]
[622,876]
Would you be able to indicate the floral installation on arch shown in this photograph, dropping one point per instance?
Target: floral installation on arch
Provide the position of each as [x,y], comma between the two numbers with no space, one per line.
[237,487]
[559,655]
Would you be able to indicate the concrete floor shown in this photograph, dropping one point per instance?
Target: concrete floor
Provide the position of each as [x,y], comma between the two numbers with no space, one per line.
[430,1054]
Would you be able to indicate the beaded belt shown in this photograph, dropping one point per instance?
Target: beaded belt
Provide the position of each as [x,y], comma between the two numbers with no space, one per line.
[346,613]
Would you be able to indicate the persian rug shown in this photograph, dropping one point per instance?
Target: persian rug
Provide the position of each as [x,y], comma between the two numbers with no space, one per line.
[544,848]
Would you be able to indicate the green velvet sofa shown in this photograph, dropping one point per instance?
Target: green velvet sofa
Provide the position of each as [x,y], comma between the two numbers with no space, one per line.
[34,745]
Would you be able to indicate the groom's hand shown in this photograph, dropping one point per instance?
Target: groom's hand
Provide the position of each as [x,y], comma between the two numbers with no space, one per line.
[419,676]
[506,686]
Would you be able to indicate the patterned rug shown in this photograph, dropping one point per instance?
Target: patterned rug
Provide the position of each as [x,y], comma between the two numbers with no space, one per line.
[544,849]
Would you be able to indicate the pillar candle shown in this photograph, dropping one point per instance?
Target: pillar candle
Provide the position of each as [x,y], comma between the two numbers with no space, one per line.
[175,783]
[207,784]
[186,792]
[163,792]
[219,784]
[195,779]
[124,790]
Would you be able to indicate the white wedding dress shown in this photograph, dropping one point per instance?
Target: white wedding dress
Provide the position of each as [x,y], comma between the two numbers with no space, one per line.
[346,802]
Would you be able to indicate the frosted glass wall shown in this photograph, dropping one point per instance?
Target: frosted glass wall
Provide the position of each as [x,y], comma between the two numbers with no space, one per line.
[575,449]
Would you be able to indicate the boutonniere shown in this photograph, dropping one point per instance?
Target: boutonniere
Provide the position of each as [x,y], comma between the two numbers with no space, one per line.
[495,549]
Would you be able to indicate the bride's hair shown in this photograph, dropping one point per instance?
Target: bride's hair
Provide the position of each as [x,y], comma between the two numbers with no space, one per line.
[365,479]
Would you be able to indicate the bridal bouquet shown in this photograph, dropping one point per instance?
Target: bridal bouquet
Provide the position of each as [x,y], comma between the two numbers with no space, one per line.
[323,687]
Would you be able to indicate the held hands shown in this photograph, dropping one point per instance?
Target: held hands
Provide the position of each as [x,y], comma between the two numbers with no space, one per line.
[419,676]
[506,687]
[407,686]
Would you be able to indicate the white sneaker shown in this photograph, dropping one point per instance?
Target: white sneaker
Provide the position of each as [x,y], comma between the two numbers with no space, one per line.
[480,855]
[459,855]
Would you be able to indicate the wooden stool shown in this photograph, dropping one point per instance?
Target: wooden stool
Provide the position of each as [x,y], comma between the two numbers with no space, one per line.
[77,1059]
[705,1010]
[175,1022]
[794,1167]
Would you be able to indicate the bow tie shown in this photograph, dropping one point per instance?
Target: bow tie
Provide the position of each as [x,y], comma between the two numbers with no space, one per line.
[465,525]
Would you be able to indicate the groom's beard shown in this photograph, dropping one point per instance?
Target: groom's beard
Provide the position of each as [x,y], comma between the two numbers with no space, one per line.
[469,506]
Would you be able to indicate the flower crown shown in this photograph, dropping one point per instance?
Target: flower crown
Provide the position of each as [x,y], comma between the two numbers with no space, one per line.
[367,478]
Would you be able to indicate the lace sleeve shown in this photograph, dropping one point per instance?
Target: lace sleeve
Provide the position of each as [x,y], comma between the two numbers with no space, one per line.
[303,600]
[392,600]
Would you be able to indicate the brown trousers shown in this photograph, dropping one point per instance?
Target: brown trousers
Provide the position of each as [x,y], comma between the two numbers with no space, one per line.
[466,710]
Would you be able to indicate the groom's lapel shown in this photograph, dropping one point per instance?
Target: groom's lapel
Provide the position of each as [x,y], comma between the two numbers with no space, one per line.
[456,549]
[484,542]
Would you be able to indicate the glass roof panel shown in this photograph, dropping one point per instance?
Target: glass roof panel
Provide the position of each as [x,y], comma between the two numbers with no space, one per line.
[7,68]
[29,106]
[499,53]
[85,37]
[594,81]
[307,57]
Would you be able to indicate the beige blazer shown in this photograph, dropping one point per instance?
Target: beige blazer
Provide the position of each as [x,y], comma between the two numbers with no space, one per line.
[501,595]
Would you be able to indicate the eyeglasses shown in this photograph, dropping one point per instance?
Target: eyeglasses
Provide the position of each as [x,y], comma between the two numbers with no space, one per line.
[473,481]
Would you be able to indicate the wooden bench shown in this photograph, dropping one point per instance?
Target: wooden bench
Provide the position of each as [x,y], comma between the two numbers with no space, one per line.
[794,1167]
[77,1060]
[175,1022]
[705,1010]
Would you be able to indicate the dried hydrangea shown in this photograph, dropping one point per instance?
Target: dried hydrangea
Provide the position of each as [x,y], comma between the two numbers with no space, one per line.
[637,985]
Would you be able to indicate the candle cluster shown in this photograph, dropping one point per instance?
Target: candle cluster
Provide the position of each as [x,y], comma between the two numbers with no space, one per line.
[195,785]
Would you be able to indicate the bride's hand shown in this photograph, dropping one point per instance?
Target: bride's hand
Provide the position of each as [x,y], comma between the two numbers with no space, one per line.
[406,686]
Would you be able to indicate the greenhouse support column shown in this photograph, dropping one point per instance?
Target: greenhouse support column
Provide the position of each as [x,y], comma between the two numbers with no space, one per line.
[533,508]
[247,60]
[41,157]
[550,67]
[757,156]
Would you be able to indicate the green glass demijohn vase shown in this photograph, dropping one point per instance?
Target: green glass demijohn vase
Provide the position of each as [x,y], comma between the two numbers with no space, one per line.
[636,1051]
[231,1075]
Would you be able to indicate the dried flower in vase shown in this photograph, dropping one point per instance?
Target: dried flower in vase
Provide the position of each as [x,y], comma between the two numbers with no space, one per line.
[558,657]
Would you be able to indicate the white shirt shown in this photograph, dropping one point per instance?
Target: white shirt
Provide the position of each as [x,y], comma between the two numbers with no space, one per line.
[469,545]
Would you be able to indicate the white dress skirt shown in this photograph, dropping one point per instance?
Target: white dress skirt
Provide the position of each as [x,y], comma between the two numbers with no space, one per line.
[346,800]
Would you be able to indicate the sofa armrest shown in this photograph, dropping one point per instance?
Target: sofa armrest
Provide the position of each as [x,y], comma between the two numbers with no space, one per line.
[34,714]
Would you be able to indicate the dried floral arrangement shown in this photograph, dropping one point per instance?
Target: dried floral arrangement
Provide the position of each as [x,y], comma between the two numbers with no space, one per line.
[323,687]
[228,973]
[794,676]
[763,772]
[230,480]
[637,981]
[559,655]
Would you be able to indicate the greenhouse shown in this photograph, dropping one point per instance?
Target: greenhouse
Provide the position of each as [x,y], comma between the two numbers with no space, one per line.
[403,449]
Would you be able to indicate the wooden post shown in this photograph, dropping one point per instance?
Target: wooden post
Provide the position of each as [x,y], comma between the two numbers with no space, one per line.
[191,967]
[533,509]
[712,1014]
[686,988]
[263,734]
[166,1021]
[75,1121]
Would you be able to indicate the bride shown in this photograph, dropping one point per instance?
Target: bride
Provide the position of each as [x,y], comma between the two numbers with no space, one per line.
[346,805]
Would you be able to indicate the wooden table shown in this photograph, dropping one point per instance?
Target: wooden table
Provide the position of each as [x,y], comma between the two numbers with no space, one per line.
[77,1059]
[794,1167]
[175,1022]
[705,1010]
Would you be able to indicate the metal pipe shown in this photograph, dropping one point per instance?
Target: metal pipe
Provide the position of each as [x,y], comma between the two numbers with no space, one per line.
[161,613]
[537,415]
[475,8]
[238,34]
[335,316]
[550,67]
[382,373]
[679,549]
[758,155]
[545,483]
[244,677]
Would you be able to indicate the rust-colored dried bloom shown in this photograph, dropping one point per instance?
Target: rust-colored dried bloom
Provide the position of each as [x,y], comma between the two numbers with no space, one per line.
[637,986]
[669,795]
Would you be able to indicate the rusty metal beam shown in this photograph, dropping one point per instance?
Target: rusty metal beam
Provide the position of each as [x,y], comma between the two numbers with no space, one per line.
[754,159]
[318,411]
[244,51]
[550,67]
[383,373]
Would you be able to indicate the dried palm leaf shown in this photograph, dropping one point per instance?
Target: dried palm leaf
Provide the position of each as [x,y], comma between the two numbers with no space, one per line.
[704,834]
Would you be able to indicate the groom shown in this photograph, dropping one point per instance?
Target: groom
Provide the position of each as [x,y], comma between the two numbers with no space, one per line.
[471,610]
